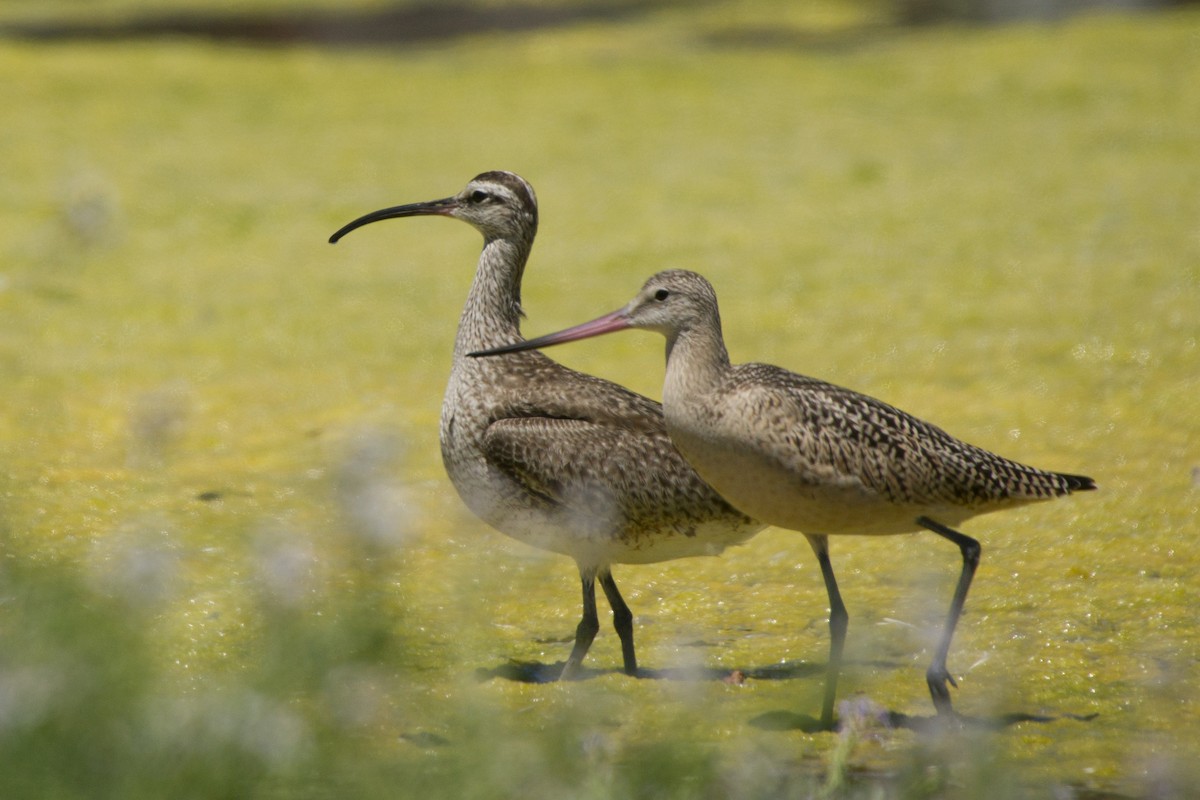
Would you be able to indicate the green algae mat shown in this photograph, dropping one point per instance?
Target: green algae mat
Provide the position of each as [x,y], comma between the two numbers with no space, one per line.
[232,565]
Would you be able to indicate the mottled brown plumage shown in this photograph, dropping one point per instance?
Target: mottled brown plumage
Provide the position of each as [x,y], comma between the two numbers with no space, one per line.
[561,460]
[813,457]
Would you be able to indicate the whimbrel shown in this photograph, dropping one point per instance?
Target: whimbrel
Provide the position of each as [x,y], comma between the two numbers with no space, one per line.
[806,455]
[563,461]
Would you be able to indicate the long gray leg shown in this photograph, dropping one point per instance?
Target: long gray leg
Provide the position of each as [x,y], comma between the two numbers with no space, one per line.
[622,620]
[839,622]
[587,628]
[938,676]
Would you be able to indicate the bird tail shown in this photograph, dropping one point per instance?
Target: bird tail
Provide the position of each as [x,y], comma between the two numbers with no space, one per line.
[1078,483]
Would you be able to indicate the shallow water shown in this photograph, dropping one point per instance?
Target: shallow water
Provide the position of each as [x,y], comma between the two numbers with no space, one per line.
[225,429]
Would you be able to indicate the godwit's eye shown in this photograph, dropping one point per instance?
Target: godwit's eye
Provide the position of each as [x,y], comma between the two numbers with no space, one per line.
[661,294]
[478,196]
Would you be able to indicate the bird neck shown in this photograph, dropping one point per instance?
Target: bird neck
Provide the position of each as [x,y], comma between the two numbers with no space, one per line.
[697,361]
[492,314]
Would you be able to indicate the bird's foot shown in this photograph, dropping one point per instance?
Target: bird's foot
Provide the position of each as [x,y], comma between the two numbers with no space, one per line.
[939,678]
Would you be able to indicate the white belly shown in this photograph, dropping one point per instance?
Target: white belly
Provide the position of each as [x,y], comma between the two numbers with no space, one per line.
[589,530]
[591,537]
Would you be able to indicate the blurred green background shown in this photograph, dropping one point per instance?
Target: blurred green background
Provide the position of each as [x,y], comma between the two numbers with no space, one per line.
[233,567]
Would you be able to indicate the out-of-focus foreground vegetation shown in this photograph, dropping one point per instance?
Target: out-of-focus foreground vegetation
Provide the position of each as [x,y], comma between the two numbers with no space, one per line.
[232,565]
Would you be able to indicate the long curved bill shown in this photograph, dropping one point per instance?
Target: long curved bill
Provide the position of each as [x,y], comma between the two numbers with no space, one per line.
[441,207]
[616,321]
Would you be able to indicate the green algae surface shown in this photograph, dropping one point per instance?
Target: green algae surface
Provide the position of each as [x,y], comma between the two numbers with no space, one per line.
[233,565]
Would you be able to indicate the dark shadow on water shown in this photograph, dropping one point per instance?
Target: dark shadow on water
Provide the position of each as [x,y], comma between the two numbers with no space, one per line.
[370,27]
[937,724]
[527,672]
[791,721]
[537,672]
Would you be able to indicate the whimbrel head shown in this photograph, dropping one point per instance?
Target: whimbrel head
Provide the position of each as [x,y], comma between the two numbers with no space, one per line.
[500,205]
[671,302]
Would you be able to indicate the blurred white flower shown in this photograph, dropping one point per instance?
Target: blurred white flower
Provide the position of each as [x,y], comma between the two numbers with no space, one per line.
[372,499]
[138,561]
[287,566]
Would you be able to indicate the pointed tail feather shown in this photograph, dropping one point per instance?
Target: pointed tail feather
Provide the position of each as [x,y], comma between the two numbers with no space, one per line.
[1078,483]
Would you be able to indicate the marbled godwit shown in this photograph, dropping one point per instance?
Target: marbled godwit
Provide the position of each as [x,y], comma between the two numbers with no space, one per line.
[803,454]
[560,460]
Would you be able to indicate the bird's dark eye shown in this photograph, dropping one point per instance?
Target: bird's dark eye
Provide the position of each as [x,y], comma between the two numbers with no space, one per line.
[478,196]
[661,294]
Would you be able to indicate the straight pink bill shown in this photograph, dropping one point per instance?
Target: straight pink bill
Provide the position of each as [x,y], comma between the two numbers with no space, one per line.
[616,321]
